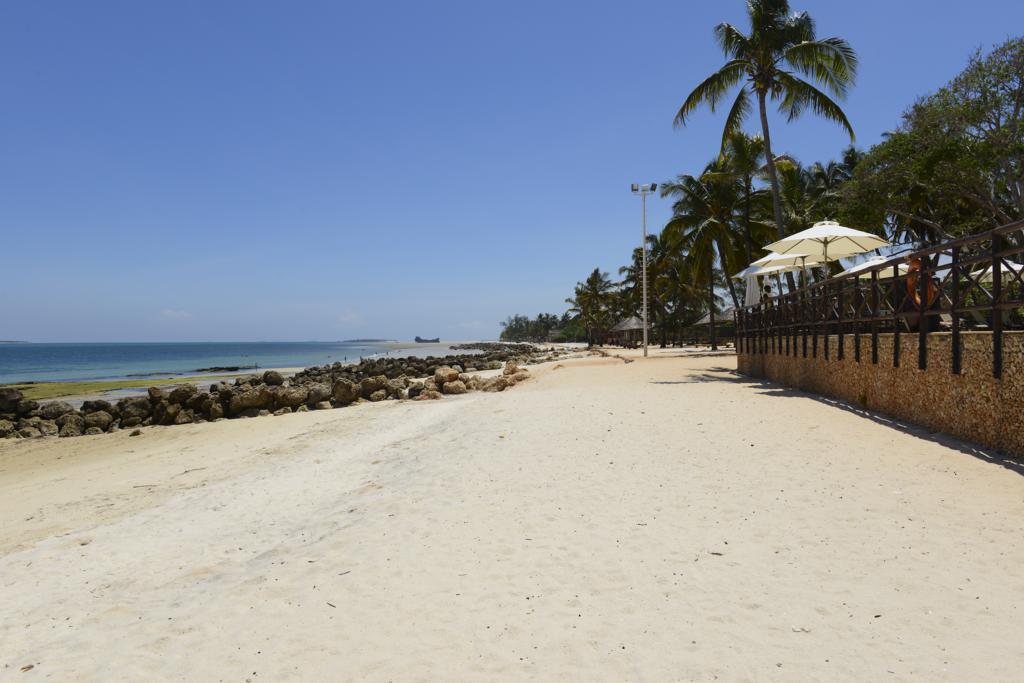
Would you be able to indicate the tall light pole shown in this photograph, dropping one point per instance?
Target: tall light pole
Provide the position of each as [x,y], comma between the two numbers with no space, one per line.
[643,191]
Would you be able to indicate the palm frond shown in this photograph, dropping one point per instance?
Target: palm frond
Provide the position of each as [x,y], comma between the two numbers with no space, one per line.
[712,89]
[831,62]
[734,122]
[733,42]
[799,94]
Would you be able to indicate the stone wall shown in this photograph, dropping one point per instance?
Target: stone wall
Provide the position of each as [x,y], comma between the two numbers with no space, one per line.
[972,405]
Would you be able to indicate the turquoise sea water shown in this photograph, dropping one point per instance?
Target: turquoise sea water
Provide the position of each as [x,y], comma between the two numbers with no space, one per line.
[68,362]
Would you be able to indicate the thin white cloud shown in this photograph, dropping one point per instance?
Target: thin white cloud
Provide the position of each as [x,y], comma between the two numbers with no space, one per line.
[174,314]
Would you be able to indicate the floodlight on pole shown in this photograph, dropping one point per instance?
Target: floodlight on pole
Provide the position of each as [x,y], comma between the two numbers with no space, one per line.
[643,191]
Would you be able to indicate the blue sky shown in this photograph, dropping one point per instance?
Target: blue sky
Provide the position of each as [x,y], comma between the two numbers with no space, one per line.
[325,170]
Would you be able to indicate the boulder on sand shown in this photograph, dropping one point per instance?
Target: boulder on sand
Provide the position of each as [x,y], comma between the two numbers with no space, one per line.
[495,384]
[101,419]
[456,387]
[47,427]
[378,395]
[372,385]
[53,410]
[6,428]
[181,394]
[345,391]
[273,378]
[137,407]
[445,374]
[290,397]
[71,424]
[318,392]
[429,395]
[9,399]
[97,406]
[27,406]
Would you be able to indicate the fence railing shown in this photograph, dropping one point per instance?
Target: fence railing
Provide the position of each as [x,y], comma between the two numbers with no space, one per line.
[971,283]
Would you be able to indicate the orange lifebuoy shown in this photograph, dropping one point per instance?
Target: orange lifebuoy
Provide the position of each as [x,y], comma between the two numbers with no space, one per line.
[931,291]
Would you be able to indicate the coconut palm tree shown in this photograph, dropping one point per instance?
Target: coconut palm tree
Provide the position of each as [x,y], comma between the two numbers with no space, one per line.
[590,303]
[743,157]
[772,62]
[705,226]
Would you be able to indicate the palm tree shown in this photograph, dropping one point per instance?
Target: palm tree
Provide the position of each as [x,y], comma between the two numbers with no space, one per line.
[704,226]
[743,157]
[769,62]
[590,303]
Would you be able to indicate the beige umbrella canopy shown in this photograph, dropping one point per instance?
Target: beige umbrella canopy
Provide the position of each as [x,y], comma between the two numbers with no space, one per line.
[791,260]
[828,240]
[874,262]
[985,274]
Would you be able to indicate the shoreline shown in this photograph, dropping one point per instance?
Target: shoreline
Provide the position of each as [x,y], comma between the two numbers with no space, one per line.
[106,388]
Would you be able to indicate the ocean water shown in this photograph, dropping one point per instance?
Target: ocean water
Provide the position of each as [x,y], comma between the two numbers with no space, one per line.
[70,362]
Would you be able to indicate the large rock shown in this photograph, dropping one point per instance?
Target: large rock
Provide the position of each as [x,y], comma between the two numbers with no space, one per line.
[396,387]
[445,374]
[518,377]
[318,392]
[371,385]
[378,395]
[100,418]
[51,411]
[6,428]
[245,399]
[156,394]
[184,417]
[180,395]
[27,406]
[9,399]
[290,397]
[511,368]
[97,406]
[29,432]
[429,395]
[92,431]
[456,387]
[494,384]
[47,427]
[414,390]
[345,391]
[215,410]
[165,413]
[135,410]
[273,378]
[71,424]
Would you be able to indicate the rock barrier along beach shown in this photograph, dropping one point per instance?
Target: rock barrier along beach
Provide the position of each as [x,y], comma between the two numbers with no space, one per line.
[271,393]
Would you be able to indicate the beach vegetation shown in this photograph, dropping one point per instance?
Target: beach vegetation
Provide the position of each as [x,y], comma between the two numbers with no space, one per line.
[779,59]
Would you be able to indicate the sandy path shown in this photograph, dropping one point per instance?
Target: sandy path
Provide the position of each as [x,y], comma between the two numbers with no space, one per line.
[661,520]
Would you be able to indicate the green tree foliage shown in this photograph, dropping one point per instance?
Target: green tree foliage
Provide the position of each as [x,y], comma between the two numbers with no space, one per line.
[955,165]
[779,59]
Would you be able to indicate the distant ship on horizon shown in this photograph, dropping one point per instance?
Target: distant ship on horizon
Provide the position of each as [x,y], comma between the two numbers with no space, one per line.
[421,340]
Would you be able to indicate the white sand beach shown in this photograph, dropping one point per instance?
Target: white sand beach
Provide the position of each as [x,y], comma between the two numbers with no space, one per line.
[658,520]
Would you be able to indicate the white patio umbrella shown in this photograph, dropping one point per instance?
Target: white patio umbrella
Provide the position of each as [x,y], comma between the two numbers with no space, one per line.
[754,271]
[774,259]
[828,240]
[800,260]
[985,275]
[750,274]
[873,262]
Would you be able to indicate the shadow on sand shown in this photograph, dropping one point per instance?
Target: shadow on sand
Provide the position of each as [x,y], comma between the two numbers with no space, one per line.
[766,388]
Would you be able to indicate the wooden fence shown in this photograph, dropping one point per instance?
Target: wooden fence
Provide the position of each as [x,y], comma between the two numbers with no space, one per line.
[972,283]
